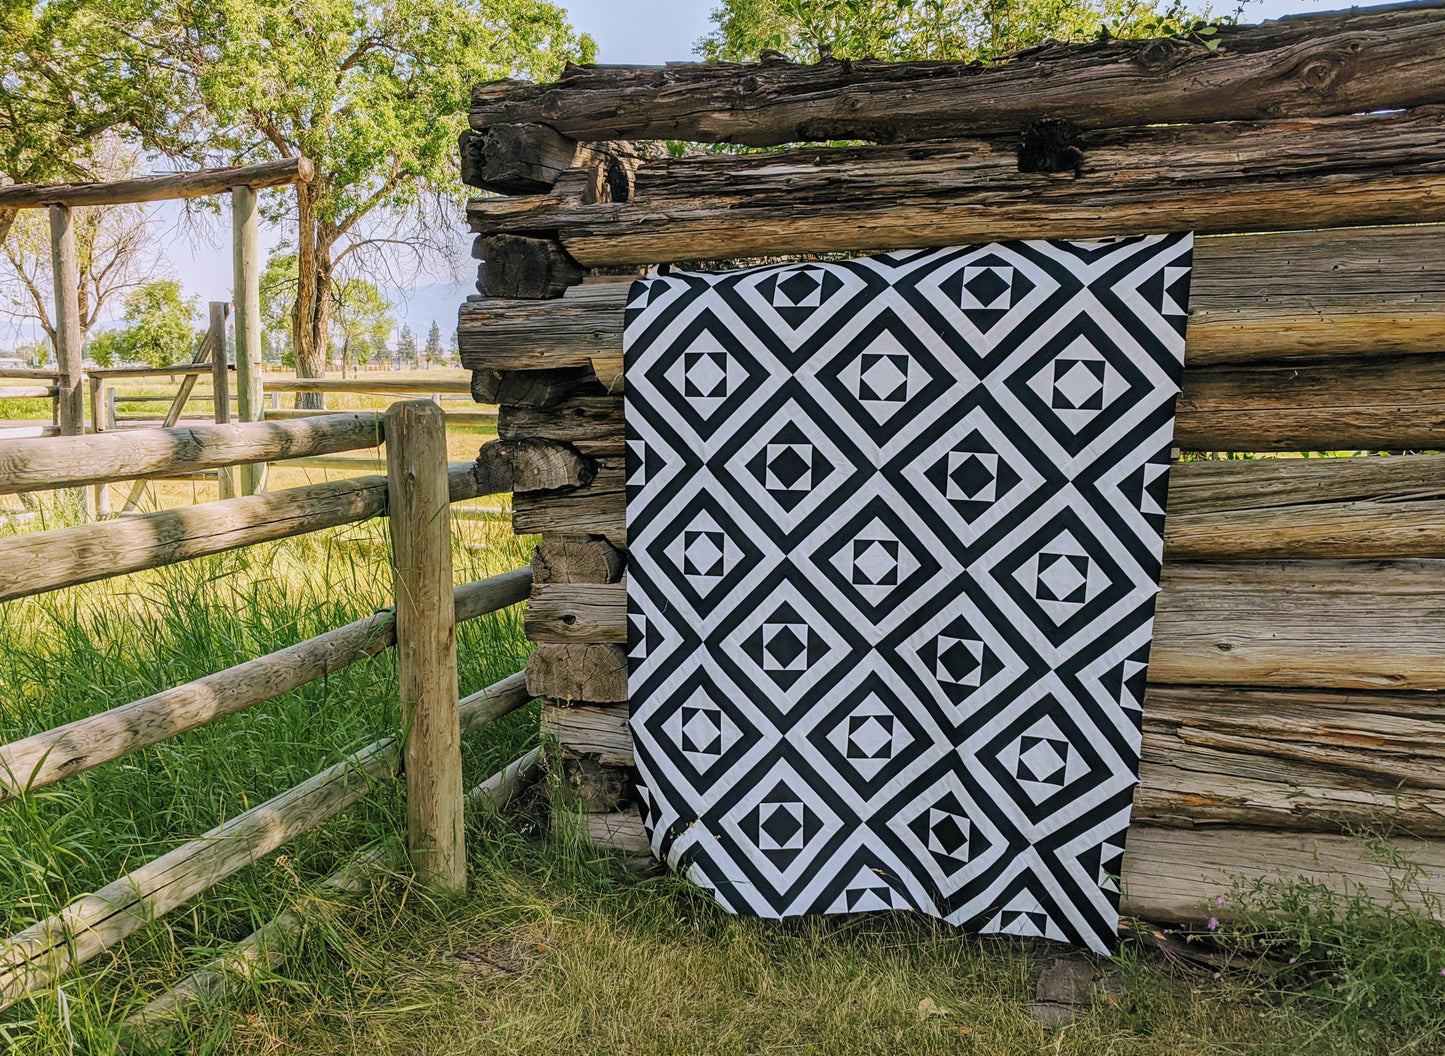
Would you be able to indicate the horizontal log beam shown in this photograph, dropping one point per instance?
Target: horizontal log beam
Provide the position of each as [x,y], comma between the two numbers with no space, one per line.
[1334,63]
[65,557]
[73,461]
[1174,875]
[28,392]
[1335,624]
[44,952]
[1309,294]
[1308,761]
[587,672]
[379,384]
[45,758]
[159,188]
[1210,179]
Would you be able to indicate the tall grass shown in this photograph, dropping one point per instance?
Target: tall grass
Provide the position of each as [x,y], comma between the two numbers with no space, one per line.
[83,650]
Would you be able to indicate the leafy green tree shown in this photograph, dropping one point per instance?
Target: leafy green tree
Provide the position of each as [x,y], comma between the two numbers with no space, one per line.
[74,71]
[159,328]
[434,353]
[406,345]
[930,29]
[361,318]
[374,93]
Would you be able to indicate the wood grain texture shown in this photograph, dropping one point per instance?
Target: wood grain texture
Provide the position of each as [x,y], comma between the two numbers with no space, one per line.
[1339,624]
[158,188]
[426,643]
[1318,294]
[1340,62]
[589,672]
[523,158]
[45,758]
[524,267]
[33,465]
[576,559]
[524,466]
[1211,179]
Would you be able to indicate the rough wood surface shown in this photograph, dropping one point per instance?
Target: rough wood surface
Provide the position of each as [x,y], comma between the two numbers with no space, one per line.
[524,267]
[1211,179]
[45,758]
[585,783]
[158,188]
[524,158]
[1305,760]
[1340,624]
[592,423]
[65,270]
[530,387]
[1340,62]
[426,643]
[32,465]
[598,508]
[576,559]
[590,672]
[246,295]
[1318,294]
[1171,875]
[530,465]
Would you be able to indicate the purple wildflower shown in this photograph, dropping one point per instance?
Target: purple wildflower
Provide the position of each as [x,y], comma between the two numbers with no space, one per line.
[1213,923]
[1219,901]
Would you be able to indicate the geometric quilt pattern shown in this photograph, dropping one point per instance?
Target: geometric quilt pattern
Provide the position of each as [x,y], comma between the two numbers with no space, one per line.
[895,531]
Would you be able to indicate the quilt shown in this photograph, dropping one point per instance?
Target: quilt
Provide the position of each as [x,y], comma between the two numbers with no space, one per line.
[895,531]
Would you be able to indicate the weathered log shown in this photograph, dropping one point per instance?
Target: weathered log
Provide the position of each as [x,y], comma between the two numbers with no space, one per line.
[1211,179]
[589,784]
[1269,759]
[593,423]
[33,465]
[1335,63]
[530,465]
[65,557]
[524,267]
[1297,294]
[158,188]
[45,758]
[598,508]
[1341,624]
[587,672]
[531,388]
[576,559]
[524,158]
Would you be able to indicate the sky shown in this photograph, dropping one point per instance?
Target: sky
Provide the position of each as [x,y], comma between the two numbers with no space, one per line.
[643,32]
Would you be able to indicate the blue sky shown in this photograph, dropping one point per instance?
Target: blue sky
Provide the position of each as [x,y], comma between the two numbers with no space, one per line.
[627,31]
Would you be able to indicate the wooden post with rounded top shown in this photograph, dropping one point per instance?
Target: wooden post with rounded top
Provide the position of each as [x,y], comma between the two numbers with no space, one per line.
[419,508]
[246,295]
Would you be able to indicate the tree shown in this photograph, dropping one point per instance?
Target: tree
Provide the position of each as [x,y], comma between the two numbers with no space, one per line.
[928,29]
[114,247]
[362,318]
[373,93]
[434,352]
[406,345]
[76,71]
[159,328]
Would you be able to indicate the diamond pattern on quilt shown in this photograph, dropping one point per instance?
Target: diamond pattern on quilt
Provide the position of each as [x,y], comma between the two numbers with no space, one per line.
[896,526]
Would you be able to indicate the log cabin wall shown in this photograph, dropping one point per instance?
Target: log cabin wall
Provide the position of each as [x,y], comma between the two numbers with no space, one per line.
[1299,652]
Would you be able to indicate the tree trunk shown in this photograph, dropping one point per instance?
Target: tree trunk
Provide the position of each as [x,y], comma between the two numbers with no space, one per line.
[309,316]
[7,221]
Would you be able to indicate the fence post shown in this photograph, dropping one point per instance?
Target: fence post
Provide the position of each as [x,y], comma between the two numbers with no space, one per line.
[70,394]
[100,400]
[221,389]
[418,505]
[246,295]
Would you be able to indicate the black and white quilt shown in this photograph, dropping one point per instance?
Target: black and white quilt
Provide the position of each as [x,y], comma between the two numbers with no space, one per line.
[895,532]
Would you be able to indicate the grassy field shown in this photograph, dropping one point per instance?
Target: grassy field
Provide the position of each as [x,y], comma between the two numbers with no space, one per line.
[551,951]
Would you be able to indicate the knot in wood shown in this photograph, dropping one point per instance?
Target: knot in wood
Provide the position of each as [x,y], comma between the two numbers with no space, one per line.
[1160,55]
[1050,145]
[1321,72]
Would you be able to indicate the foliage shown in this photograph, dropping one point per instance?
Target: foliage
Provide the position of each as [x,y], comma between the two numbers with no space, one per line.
[932,29]
[434,351]
[406,345]
[362,318]
[1373,963]
[76,71]
[373,93]
[159,329]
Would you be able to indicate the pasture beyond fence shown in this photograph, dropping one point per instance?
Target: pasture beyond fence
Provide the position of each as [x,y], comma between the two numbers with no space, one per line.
[415,496]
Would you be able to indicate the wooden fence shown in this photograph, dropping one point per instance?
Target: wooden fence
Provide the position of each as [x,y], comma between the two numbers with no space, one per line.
[1299,656]
[415,494]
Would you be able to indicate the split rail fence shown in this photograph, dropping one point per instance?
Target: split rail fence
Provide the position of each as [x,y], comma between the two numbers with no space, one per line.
[415,495]
[1296,678]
